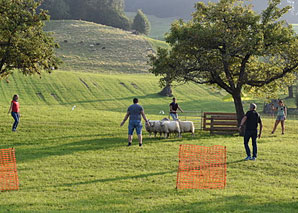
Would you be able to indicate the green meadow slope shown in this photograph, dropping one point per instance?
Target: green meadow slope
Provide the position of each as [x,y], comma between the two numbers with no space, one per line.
[91,47]
[106,92]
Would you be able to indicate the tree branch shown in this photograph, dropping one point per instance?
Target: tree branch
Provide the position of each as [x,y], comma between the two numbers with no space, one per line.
[262,83]
[242,70]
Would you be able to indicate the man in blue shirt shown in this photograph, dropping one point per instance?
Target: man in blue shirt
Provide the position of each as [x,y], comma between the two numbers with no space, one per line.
[252,119]
[135,112]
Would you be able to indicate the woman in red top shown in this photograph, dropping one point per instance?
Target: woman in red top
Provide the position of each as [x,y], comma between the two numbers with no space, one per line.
[15,112]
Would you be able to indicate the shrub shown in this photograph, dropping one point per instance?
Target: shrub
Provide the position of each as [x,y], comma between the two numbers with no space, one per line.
[141,23]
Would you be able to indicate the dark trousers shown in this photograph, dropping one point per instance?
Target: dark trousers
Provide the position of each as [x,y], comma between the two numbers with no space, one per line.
[253,135]
[16,118]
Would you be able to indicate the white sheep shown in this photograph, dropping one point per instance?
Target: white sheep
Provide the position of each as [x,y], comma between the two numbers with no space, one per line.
[168,127]
[153,126]
[187,126]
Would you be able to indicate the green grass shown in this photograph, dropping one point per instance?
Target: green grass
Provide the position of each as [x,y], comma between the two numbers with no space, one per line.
[105,92]
[90,47]
[77,161]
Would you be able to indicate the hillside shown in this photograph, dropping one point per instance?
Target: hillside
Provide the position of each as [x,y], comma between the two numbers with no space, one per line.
[90,47]
[105,92]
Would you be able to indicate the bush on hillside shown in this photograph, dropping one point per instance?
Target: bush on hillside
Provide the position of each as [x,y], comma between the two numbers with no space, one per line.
[141,23]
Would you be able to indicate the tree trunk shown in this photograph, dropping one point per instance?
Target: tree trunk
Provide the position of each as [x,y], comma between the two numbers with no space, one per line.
[167,91]
[291,94]
[239,109]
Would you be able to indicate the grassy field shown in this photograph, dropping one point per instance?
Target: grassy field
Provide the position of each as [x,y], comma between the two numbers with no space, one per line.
[78,160]
[90,47]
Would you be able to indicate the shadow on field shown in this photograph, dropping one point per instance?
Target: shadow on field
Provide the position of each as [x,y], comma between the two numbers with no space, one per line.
[70,148]
[154,95]
[235,203]
[118,178]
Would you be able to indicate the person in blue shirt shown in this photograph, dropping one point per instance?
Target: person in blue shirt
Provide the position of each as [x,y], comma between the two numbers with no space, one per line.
[135,112]
[281,116]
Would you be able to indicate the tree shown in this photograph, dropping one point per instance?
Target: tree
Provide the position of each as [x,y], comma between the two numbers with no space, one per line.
[23,43]
[228,45]
[141,23]
[59,9]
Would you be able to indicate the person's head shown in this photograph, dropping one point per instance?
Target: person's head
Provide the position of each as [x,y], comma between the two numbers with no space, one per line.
[280,103]
[15,97]
[252,106]
[135,101]
[174,100]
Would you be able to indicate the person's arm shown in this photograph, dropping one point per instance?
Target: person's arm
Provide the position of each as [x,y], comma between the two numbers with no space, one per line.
[171,108]
[180,109]
[274,109]
[242,122]
[144,116]
[286,112]
[261,128]
[10,108]
[125,118]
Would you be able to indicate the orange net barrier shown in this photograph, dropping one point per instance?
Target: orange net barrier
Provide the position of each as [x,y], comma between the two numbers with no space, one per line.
[202,167]
[8,170]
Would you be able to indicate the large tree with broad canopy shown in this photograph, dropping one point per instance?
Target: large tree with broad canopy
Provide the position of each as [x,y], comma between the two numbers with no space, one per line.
[24,45]
[228,45]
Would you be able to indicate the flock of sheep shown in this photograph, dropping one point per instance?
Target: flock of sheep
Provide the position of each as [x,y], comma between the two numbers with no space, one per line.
[166,126]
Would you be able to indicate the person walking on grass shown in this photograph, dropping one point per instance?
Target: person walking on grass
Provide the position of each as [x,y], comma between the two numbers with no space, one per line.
[15,112]
[281,116]
[173,109]
[252,119]
[135,112]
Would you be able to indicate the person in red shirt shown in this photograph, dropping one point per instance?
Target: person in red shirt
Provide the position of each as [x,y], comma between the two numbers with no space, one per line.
[15,111]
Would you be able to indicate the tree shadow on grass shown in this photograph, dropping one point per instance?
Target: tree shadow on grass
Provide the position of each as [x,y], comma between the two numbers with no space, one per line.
[45,150]
[116,179]
[234,203]
[70,148]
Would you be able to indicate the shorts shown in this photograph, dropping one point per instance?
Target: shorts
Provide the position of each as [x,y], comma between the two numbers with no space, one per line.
[280,118]
[174,116]
[135,124]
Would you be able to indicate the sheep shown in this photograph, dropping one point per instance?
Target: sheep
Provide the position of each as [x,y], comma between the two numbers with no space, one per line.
[154,126]
[187,126]
[168,127]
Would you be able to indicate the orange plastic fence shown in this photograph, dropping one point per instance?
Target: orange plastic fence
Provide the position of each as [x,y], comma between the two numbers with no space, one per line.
[8,170]
[201,167]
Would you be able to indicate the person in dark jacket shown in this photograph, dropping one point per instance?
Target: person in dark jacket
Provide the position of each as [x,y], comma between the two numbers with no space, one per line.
[252,119]
[173,109]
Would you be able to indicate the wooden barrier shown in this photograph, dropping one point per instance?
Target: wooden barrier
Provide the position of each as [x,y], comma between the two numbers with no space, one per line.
[220,123]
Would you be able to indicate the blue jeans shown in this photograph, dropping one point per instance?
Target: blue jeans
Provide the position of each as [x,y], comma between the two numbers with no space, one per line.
[135,124]
[253,135]
[16,117]
[174,116]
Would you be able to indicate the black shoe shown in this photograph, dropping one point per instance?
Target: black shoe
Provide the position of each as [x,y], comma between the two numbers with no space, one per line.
[140,144]
[129,144]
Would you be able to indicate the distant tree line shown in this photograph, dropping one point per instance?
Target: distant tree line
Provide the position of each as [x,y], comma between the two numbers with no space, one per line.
[184,8]
[107,12]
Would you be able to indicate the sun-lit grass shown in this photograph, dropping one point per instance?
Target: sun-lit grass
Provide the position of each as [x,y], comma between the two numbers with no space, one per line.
[90,47]
[78,161]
